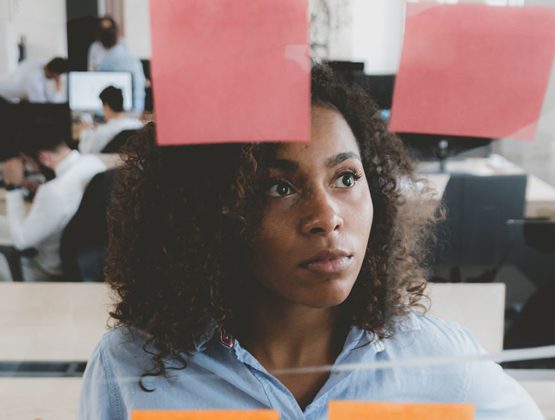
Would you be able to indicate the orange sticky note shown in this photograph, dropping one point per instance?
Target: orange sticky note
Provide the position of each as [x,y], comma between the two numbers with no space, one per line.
[350,410]
[473,70]
[230,70]
[205,415]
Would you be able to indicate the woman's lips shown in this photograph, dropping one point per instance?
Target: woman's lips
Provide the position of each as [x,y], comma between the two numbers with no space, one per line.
[328,262]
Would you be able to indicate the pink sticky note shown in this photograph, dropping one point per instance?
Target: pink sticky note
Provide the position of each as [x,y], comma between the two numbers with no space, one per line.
[473,70]
[230,70]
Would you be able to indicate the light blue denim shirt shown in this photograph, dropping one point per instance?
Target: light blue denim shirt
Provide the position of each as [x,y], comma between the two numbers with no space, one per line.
[223,375]
[119,58]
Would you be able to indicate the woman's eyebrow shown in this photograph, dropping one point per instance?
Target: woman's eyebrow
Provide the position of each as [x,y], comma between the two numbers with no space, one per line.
[340,157]
[285,164]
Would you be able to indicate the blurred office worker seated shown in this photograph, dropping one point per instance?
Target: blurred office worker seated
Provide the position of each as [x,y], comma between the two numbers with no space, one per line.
[94,140]
[35,81]
[42,145]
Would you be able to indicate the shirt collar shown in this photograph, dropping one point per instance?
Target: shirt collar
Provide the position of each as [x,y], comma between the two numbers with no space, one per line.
[66,163]
[356,338]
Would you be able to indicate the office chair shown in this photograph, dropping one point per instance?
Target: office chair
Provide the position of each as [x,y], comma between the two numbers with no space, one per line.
[85,238]
[13,258]
[532,308]
[474,235]
[115,145]
[149,102]
[10,128]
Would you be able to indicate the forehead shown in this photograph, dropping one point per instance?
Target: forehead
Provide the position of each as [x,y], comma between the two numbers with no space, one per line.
[331,135]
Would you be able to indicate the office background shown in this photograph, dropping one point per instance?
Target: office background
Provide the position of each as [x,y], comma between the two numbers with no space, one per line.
[354,30]
[368,31]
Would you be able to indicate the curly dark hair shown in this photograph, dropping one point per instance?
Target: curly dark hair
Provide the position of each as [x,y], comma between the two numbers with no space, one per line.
[181,220]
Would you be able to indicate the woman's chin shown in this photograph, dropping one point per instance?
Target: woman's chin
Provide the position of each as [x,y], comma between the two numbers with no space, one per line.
[333,296]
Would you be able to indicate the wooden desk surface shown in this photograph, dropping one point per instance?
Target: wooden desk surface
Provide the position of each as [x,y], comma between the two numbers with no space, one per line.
[51,321]
[479,307]
[63,321]
[58,398]
[39,398]
[540,384]
[540,198]
[493,165]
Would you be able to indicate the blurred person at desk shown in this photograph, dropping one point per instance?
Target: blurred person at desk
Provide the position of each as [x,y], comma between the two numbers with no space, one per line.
[35,81]
[94,140]
[42,146]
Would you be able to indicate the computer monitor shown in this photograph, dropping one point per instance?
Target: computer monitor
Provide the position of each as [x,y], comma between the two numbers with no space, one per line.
[427,147]
[379,87]
[85,86]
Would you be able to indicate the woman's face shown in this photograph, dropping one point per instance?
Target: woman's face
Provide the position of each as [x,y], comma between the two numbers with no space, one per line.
[317,216]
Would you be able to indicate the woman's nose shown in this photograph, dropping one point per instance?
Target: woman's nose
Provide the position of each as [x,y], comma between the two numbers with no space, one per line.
[322,215]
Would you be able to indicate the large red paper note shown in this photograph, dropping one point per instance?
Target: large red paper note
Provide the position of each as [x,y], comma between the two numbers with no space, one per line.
[205,415]
[230,70]
[350,410]
[473,70]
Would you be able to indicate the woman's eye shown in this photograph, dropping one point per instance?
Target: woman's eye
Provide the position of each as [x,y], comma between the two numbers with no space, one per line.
[347,180]
[279,189]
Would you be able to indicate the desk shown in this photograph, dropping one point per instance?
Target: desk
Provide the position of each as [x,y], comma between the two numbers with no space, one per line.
[39,398]
[58,398]
[51,321]
[63,321]
[479,307]
[540,196]
[540,384]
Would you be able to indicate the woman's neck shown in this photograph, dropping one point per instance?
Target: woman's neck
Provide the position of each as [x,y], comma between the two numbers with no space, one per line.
[282,334]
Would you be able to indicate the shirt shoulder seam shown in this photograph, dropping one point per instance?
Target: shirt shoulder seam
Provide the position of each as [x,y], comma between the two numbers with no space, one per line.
[113,393]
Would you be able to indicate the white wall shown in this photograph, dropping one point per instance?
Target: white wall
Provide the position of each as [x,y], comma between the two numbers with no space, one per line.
[42,22]
[330,29]
[364,30]
[5,36]
[377,34]
[137,27]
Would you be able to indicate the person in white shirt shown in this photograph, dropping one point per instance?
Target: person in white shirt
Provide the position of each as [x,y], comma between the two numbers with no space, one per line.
[94,140]
[54,203]
[35,81]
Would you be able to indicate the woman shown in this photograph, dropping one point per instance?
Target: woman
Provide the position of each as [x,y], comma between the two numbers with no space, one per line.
[232,264]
